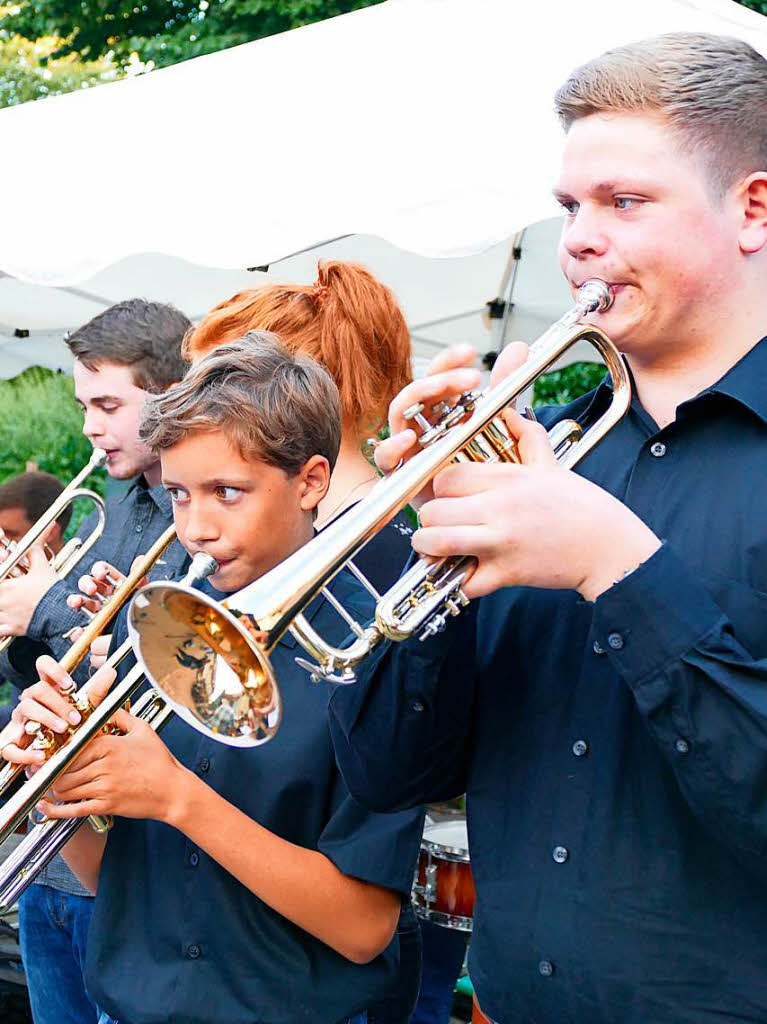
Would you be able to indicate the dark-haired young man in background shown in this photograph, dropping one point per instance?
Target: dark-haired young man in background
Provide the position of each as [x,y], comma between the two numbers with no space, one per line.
[130,350]
[23,500]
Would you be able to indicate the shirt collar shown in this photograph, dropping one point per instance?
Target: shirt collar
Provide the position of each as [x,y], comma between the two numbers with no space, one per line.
[158,495]
[746,381]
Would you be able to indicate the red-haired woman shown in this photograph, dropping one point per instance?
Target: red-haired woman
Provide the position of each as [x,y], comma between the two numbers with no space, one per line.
[351,323]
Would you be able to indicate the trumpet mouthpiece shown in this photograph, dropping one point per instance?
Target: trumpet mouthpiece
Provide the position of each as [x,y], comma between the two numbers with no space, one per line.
[594,296]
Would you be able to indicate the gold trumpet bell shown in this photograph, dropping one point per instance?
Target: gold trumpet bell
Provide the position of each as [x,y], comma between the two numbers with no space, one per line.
[207,662]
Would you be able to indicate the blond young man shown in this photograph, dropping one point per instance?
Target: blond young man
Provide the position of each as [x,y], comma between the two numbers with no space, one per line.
[237,884]
[605,704]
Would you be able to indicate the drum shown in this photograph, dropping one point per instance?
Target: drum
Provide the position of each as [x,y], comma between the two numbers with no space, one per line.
[443,890]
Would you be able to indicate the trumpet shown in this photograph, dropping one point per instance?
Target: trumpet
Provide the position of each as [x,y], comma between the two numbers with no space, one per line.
[47,837]
[230,674]
[50,742]
[14,562]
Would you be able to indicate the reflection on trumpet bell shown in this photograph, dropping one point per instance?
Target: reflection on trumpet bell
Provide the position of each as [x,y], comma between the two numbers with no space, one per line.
[207,662]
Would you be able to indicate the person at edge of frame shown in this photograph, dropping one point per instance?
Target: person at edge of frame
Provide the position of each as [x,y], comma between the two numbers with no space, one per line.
[603,703]
[273,896]
[122,355]
[24,498]
[351,323]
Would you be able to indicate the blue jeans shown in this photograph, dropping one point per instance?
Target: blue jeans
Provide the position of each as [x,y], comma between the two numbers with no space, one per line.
[53,929]
[443,955]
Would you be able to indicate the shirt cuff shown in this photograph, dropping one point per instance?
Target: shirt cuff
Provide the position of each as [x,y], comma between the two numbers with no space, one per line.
[654,616]
[52,617]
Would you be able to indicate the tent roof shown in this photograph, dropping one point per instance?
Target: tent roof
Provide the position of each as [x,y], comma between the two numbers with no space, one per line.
[426,122]
[443,300]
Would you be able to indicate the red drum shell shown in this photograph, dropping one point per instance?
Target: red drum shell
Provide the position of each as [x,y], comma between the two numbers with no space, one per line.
[444,850]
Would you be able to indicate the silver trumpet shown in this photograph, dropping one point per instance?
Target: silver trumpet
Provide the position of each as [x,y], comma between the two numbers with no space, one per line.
[211,660]
[47,837]
[13,556]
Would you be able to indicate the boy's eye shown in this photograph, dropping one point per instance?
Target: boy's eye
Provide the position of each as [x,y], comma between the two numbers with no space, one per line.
[626,202]
[176,494]
[228,493]
[569,206]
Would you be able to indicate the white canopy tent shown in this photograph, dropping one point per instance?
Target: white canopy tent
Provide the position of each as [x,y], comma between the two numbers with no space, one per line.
[425,123]
[444,300]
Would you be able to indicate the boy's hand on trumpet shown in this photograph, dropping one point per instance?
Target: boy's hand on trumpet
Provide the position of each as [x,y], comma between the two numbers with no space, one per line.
[114,773]
[45,702]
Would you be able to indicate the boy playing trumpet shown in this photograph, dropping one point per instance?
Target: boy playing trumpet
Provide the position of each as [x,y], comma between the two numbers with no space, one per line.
[237,885]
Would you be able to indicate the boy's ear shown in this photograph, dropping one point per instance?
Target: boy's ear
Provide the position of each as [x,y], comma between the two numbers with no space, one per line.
[314,480]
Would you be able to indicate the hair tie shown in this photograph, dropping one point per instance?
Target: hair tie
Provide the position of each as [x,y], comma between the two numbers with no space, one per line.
[320,291]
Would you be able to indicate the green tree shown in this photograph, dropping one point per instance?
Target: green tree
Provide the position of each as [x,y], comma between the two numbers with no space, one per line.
[40,423]
[27,71]
[160,32]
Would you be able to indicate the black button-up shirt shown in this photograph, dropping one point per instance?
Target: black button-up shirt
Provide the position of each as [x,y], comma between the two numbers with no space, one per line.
[175,937]
[614,753]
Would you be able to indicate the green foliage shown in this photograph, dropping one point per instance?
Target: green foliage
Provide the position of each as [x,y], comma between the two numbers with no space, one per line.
[562,386]
[755,5]
[27,73]
[6,692]
[40,423]
[161,32]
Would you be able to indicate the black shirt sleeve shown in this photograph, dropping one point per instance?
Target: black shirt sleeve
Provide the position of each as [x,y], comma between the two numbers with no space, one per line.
[401,733]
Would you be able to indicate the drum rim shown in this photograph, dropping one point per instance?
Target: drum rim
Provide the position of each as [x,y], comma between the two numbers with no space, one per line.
[456,922]
[445,850]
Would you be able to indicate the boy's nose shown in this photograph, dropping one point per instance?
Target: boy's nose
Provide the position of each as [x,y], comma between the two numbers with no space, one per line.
[200,526]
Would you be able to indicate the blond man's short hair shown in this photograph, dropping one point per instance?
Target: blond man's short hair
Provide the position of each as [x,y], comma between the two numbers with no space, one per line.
[712,91]
[272,405]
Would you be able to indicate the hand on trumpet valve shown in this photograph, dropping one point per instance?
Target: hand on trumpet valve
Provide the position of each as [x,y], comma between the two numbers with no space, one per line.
[95,588]
[450,374]
[99,651]
[20,595]
[536,524]
[128,772]
[45,712]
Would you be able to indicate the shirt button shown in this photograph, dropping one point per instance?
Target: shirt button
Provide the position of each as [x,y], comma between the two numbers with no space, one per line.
[203,765]
[615,640]
[598,649]
[580,747]
[194,859]
[139,528]
[682,746]
[658,449]
[560,854]
[546,968]
[193,951]
[416,705]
